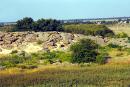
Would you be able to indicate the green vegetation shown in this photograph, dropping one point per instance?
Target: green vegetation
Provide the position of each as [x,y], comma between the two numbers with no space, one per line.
[111,45]
[28,24]
[39,42]
[84,51]
[14,59]
[87,51]
[102,58]
[121,35]
[89,29]
[83,66]
[23,59]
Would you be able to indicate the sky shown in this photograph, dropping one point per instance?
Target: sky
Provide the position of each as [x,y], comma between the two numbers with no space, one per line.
[12,10]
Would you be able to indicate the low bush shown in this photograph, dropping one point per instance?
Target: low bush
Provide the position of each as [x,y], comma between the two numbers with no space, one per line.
[23,66]
[89,29]
[128,39]
[128,51]
[63,56]
[14,59]
[22,58]
[119,54]
[14,51]
[84,51]
[39,42]
[50,55]
[11,61]
[111,45]
[8,64]
[121,35]
[101,59]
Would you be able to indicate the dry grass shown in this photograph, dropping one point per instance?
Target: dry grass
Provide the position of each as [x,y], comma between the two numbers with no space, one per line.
[32,48]
[118,28]
[116,53]
[119,57]
[69,76]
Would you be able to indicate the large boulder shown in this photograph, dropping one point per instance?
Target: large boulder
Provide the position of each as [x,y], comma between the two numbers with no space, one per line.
[67,38]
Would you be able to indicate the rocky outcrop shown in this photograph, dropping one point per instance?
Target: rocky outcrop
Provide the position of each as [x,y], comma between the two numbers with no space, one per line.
[47,41]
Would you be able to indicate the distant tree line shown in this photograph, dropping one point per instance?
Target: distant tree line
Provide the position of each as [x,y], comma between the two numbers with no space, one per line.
[42,25]
[28,24]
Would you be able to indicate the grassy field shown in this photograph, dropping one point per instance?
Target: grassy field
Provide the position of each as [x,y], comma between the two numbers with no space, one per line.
[116,73]
[89,75]
[118,28]
[88,29]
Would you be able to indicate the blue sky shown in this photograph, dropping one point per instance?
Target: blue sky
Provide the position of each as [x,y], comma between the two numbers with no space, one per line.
[12,10]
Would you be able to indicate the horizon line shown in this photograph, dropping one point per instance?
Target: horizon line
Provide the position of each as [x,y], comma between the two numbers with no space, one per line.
[117,17]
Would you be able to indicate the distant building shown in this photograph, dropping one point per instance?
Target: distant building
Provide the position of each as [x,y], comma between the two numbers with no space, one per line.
[87,21]
[98,20]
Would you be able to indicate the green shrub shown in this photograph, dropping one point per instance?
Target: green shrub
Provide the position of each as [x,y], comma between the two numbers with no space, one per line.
[128,51]
[39,42]
[11,61]
[46,61]
[88,29]
[122,35]
[50,55]
[8,64]
[24,55]
[84,51]
[119,54]
[64,56]
[111,45]
[39,55]
[14,51]
[101,59]
[15,59]
[128,39]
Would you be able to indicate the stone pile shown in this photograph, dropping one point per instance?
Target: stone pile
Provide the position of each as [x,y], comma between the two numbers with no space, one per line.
[50,40]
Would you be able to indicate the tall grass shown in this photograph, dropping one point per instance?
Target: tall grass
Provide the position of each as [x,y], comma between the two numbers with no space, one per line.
[71,76]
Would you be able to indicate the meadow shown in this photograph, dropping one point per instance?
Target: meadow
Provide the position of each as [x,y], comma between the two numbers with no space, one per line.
[83,75]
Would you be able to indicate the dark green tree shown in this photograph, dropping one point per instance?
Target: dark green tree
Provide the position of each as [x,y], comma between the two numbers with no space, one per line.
[27,24]
[49,25]
[84,51]
[24,24]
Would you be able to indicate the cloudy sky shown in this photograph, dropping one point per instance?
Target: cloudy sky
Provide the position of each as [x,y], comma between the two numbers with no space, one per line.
[12,10]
